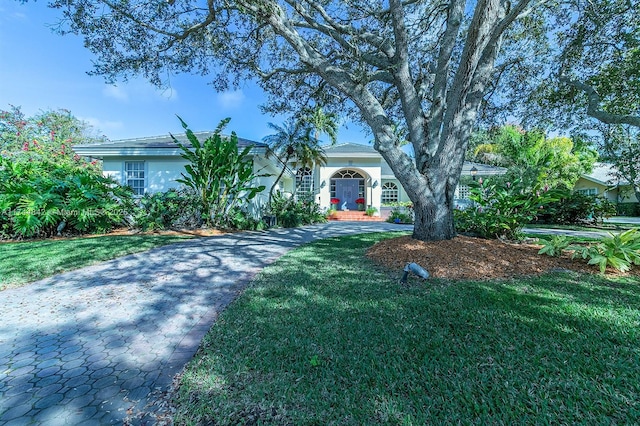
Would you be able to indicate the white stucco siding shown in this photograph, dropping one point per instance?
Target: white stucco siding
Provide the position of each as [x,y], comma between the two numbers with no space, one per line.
[113,168]
[162,173]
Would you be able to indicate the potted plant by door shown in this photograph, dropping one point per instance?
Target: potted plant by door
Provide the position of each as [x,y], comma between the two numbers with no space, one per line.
[334,203]
[360,203]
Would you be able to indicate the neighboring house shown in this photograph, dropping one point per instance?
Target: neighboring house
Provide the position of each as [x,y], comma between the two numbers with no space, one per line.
[352,171]
[602,182]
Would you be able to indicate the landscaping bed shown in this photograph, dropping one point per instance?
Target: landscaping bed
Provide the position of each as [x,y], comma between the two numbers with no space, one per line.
[475,258]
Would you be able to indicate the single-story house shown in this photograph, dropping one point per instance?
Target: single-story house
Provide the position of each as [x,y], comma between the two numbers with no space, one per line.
[353,171]
[603,182]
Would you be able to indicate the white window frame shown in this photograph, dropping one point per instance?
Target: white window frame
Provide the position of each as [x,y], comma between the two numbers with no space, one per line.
[588,191]
[462,192]
[135,175]
[304,182]
[387,195]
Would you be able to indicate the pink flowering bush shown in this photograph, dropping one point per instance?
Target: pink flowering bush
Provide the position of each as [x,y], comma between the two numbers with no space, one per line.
[45,189]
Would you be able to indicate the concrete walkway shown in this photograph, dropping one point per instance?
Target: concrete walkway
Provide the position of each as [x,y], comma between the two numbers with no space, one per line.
[93,346]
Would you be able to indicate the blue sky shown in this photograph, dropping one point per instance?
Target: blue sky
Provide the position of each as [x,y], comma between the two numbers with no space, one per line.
[40,70]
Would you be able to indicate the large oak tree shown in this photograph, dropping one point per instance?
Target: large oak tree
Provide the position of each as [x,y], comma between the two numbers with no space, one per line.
[424,64]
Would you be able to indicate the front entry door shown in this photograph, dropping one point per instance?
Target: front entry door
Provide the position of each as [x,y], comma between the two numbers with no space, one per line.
[347,191]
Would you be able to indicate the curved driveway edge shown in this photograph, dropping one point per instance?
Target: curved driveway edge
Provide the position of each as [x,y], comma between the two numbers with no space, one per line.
[92,346]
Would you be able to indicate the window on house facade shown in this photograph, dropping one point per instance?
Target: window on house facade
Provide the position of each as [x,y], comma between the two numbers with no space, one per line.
[134,176]
[588,191]
[390,193]
[304,179]
[462,192]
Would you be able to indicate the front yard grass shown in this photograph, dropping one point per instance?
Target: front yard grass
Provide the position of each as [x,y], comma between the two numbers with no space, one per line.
[24,262]
[323,337]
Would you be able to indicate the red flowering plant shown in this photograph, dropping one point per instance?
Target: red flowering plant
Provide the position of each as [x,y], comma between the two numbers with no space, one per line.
[360,202]
[335,200]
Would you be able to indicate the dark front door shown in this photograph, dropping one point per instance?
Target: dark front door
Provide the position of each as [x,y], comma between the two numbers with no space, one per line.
[347,191]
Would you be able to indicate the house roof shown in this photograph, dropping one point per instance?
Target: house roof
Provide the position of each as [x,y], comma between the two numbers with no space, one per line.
[351,150]
[483,170]
[604,174]
[153,146]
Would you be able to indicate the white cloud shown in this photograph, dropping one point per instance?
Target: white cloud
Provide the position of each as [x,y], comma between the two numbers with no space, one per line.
[115,92]
[230,100]
[103,126]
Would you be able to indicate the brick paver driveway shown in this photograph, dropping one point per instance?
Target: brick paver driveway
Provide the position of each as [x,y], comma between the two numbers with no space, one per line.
[92,346]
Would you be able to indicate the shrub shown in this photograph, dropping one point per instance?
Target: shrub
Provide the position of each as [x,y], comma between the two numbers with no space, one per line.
[291,213]
[401,213]
[501,209]
[628,209]
[575,208]
[222,177]
[40,197]
[175,208]
[554,246]
[370,211]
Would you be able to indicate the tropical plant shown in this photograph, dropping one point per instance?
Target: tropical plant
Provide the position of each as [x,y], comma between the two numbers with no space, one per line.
[401,213]
[293,144]
[575,208]
[175,208]
[222,176]
[321,122]
[530,155]
[40,197]
[618,251]
[293,213]
[370,211]
[50,133]
[554,246]
[501,209]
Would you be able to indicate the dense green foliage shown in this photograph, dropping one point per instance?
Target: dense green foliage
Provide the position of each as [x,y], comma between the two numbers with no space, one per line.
[332,340]
[28,261]
[173,209]
[618,251]
[575,208]
[41,198]
[45,189]
[291,212]
[222,177]
[55,131]
[502,208]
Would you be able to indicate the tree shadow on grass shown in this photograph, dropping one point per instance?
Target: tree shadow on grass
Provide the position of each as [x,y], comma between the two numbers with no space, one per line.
[321,337]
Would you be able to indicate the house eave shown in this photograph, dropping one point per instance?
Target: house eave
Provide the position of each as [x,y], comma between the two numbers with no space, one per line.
[102,152]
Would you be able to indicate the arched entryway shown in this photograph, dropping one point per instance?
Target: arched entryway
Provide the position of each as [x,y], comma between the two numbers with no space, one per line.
[348,185]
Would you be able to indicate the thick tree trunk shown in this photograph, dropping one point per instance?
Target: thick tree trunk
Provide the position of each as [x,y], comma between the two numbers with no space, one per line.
[433,220]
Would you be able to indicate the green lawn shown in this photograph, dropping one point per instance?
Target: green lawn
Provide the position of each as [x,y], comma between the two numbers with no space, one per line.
[24,262]
[323,337]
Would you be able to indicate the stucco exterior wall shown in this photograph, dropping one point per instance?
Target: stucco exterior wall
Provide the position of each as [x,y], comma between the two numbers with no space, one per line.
[161,172]
[369,168]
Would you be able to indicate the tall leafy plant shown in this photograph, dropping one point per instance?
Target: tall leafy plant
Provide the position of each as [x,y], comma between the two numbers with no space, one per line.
[222,176]
[501,209]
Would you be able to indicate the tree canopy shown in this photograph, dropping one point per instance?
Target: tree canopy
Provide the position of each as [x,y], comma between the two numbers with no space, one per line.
[425,65]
